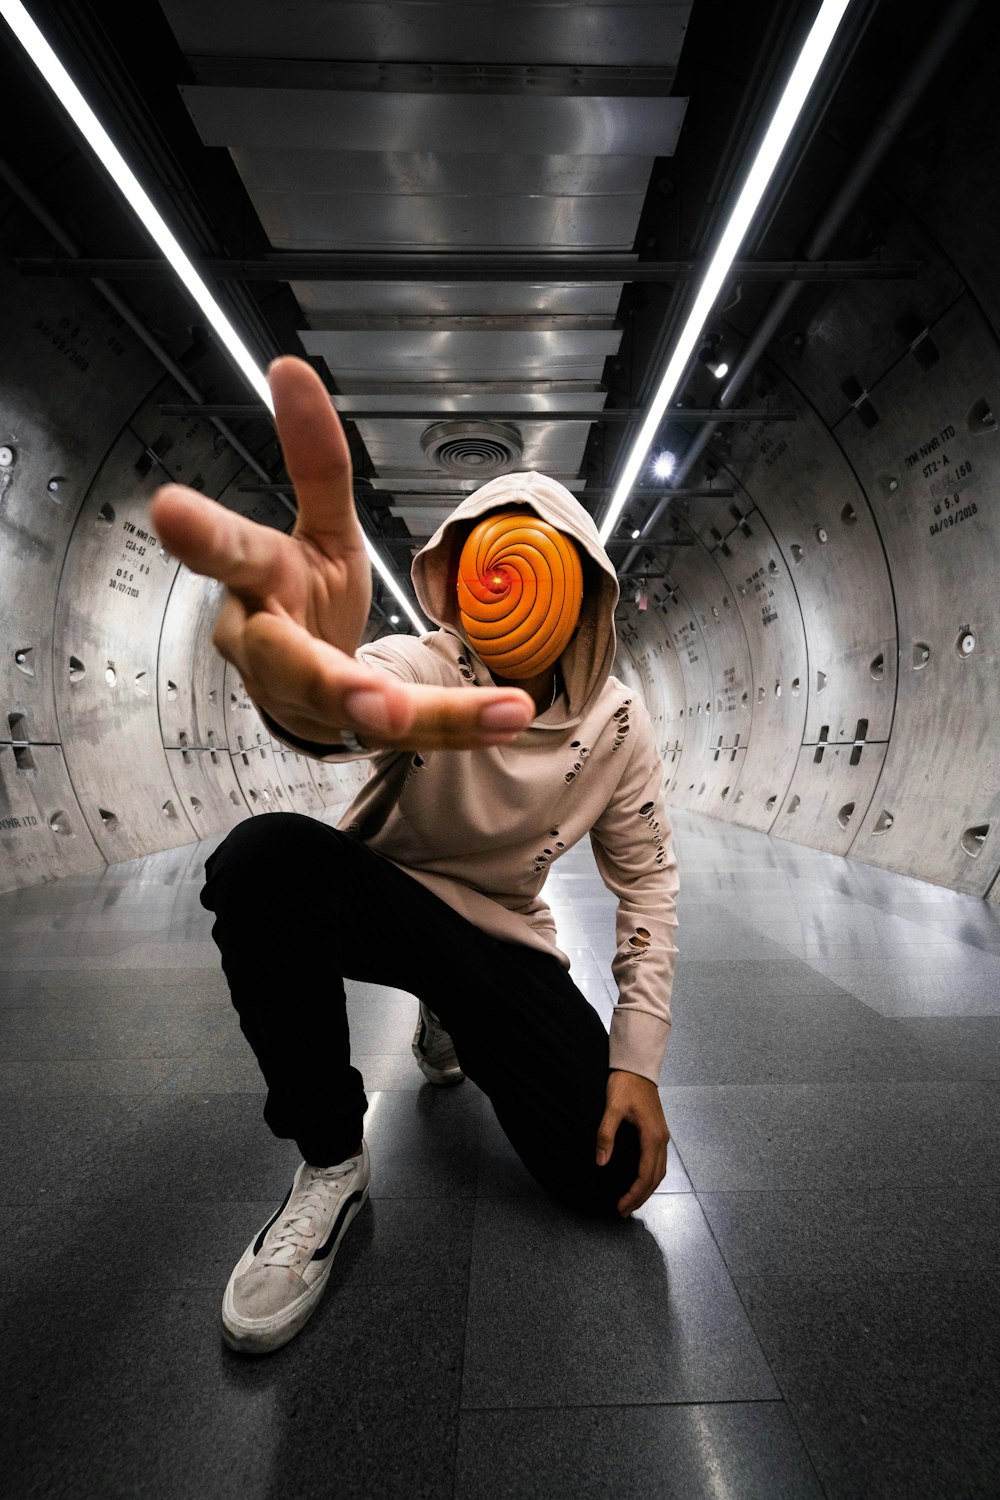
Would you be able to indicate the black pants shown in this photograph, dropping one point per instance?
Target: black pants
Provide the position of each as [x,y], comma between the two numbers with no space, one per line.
[300,907]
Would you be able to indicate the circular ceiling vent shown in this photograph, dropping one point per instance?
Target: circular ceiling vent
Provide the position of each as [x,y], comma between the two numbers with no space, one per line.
[472,450]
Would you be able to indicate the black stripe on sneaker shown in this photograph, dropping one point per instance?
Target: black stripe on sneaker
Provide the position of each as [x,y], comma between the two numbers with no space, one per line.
[273,1219]
[331,1239]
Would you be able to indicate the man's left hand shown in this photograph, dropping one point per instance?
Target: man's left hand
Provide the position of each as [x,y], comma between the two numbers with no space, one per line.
[631,1097]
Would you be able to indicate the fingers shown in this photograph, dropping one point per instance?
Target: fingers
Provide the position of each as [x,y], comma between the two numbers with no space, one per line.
[212,540]
[314,690]
[317,456]
[606,1132]
[652,1170]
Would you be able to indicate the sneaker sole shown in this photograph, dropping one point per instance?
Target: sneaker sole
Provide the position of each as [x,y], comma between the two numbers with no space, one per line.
[443,1077]
[262,1335]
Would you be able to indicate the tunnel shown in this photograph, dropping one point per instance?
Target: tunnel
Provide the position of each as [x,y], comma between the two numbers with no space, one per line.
[483,225]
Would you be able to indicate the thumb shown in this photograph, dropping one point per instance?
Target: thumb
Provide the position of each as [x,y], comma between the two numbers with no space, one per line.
[606,1132]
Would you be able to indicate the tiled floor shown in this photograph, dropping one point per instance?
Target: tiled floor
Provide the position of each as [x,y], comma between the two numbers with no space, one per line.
[811,1305]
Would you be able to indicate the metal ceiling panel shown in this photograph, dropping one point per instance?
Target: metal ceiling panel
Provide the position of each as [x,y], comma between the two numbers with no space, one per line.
[452,400]
[458,299]
[483,222]
[417,174]
[504,354]
[415,486]
[611,32]
[490,125]
[547,445]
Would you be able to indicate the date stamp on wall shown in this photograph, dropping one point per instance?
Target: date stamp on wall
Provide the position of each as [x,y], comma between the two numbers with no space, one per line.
[137,547]
[946,477]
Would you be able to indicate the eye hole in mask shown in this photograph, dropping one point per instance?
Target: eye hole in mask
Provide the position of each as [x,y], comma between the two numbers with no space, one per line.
[520,589]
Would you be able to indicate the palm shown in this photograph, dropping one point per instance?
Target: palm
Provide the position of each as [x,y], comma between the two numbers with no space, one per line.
[296,606]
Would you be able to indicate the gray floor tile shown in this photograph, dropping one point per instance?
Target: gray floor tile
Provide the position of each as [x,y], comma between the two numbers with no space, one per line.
[566,1310]
[100,1076]
[425,1145]
[857,1230]
[837,1135]
[964,1047]
[161,1409]
[893,1380]
[48,1137]
[710,979]
[789,1038]
[893,987]
[633,1453]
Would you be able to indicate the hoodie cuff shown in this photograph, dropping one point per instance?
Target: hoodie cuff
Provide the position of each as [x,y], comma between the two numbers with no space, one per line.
[638,1043]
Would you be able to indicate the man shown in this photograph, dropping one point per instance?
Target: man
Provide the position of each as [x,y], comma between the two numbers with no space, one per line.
[481,779]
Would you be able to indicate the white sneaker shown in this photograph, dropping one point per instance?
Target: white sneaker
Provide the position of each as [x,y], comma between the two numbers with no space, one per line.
[435,1051]
[276,1286]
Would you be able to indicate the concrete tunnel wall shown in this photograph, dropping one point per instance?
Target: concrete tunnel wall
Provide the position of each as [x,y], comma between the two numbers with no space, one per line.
[820,664]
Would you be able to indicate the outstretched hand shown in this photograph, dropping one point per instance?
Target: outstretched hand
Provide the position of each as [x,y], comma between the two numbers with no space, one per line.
[631,1097]
[296,606]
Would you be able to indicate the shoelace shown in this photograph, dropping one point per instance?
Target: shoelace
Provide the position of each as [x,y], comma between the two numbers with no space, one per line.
[288,1238]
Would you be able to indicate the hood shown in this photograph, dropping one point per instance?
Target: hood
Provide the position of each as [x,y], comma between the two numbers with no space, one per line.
[587,660]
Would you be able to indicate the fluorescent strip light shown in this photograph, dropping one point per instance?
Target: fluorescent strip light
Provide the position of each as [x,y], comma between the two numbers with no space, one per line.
[783,122]
[83,117]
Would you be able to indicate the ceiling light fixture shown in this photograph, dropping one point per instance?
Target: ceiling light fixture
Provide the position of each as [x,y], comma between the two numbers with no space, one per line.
[790,105]
[118,169]
[664,465]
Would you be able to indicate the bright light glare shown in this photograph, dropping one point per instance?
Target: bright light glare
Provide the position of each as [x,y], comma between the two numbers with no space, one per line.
[664,465]
[393,619]
[83,117]
[803,76]
[635,534]
[721,371]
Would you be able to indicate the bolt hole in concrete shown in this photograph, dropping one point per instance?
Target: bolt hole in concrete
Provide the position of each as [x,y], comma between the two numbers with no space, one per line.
[845,814]
[889,483]
[59,823]
[884,822]
[110,675]
[169,810]
[109,819]
[777,689]
[820,681]
[769,805]
[171,690]
[761,695]
[739,797]
[966,642]
[76,669]
[796,687]
[877,669]
[7,457]
[849,515]
[724,793]
[196,804]
[106,515]
[23,758]
[921,656]
[973,839]
[821,536]
[18,726]
[772,567]
[796,551]
[24,660]
[794,805]
[982,418]
[234,798]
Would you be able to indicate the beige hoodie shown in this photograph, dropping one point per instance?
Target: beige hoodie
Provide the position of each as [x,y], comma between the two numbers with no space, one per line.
[480,828]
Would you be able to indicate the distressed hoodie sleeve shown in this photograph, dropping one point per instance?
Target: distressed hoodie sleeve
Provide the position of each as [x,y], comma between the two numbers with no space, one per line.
[634,852]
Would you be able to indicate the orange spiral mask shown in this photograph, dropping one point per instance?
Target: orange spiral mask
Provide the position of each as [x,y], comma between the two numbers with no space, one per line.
[520,587]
